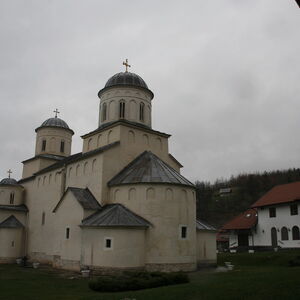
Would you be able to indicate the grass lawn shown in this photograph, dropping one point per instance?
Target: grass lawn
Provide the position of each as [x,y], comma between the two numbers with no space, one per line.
[256,276]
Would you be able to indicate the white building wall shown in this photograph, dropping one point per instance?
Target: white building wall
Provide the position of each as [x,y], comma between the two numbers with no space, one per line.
[262,236]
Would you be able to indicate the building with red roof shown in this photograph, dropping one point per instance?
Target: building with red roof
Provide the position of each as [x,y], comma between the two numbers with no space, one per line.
[272,221]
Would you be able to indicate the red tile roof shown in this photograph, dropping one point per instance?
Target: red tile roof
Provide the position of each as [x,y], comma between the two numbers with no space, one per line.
[246,220]
[280,194]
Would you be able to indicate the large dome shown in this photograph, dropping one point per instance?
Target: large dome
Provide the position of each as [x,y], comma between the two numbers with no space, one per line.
[9,181]
[55,122]
[126,79]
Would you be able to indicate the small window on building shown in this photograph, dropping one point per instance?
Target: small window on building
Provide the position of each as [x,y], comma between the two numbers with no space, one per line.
[183,232]
[43,145]
[11,198]
[104,112]
[272,212]
[67,233]
[108,243]
[12,243]
[296,233]
[122,109]
[142,111]
[284,234]
[62,146]
[43,218]
[294,209]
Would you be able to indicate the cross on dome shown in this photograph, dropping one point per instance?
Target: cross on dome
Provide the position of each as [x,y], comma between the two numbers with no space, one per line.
[9,172]
[125,63]
[56,112]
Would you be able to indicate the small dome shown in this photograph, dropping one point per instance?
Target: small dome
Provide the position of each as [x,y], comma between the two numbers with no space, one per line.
[9,181]
[126,79]
[55,122]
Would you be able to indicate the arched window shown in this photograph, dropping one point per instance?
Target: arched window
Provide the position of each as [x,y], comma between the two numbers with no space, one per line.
[142,111]
[62,146]
[284,234]
[11,198]
[122,109]
[296,233]
[104,110]
[44,145]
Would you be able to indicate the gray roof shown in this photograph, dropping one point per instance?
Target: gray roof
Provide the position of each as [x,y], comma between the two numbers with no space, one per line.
[83,196]
[115,215]
[11,222]
[76,157]
[47,156]
[21,207]
[201,225]
[148,168]
[126,79]
[9,181]
[55,122]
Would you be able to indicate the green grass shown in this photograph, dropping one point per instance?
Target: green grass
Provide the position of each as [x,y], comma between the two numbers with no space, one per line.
[256,276]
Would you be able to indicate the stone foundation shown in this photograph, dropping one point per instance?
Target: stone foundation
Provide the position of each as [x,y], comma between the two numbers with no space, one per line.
[188,267]
[113,271]
[8,260]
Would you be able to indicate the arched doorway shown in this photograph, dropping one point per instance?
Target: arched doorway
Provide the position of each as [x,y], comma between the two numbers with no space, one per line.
[274,237]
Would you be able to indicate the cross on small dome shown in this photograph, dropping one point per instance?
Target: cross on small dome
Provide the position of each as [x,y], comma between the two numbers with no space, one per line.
[56,112]
[125,63]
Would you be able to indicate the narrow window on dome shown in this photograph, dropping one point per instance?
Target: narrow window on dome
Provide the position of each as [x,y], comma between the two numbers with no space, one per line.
[43,145]
[104,112]
[43,218]
[142,111]
[122,109]
[11,198]
[62,146]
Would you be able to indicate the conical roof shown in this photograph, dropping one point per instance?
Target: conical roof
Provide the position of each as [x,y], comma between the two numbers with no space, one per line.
[148,168]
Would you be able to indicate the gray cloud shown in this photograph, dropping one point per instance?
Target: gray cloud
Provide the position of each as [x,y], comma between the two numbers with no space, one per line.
[224,74]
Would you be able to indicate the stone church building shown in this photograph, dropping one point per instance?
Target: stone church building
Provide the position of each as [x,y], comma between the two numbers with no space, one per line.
[120,203]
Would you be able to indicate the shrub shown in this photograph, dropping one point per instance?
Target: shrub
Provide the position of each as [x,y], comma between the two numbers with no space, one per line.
[136,281]
[295,262]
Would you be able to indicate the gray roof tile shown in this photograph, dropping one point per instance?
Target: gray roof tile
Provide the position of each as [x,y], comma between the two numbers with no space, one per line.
[115,215]
[84,196]
[11,222]
[201,225]
[148,168]
[21,207]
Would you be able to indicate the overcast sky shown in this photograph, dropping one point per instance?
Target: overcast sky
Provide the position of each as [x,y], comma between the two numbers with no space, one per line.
[225,75]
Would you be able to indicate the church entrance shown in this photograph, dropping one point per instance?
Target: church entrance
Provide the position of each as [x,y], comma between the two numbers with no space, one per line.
[274,237]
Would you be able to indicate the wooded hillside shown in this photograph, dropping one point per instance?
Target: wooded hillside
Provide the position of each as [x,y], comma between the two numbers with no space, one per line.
[220,201]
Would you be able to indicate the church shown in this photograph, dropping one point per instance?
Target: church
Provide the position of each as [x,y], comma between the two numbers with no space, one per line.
[119,204]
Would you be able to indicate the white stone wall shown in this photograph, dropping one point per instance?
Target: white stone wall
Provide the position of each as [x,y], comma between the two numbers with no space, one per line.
[127,251]
[167,207]
[11,245]
[206,247]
